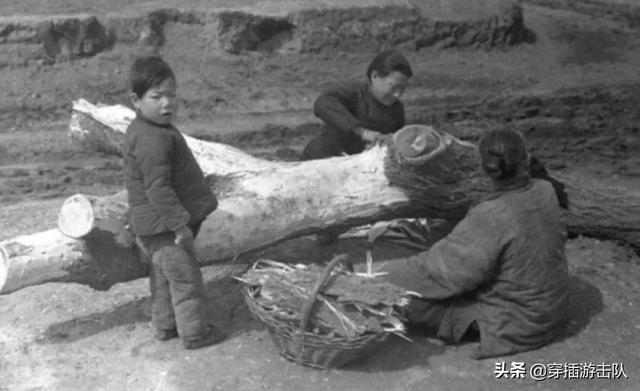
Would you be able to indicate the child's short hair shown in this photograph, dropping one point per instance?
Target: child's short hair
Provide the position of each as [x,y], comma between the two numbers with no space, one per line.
[148,72]
[389,61]
[504,154]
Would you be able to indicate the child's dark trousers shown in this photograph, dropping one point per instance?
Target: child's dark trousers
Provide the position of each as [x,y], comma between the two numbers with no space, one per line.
[177,298]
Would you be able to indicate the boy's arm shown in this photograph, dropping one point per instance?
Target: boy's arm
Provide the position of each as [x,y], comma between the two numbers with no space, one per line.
[154,155]
[335,108]
[460,263]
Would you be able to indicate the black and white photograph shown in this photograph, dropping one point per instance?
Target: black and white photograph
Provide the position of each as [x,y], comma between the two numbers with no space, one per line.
[319,195]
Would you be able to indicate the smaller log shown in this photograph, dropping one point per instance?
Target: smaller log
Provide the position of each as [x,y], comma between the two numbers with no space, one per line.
[29,259]
[49,256]
[82,213]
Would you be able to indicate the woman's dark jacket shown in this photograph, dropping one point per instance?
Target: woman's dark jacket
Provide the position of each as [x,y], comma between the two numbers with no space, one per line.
[345,107]
[508,256]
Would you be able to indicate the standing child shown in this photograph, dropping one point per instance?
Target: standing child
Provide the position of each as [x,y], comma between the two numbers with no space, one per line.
[168,200]
[359,113]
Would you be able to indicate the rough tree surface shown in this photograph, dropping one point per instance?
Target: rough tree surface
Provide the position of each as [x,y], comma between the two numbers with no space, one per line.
[265,203]
[261,203]
[604,212]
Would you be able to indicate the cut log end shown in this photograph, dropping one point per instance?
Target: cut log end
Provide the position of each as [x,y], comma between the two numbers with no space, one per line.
[438,173]
[76,218]
[415,140]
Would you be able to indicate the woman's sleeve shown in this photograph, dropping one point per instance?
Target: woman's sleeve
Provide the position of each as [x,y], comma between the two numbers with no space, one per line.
[154,157]
[336,107]
[460,263]
[401,116]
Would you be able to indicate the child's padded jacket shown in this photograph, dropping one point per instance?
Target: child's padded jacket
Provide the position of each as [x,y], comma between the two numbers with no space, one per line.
[166,187]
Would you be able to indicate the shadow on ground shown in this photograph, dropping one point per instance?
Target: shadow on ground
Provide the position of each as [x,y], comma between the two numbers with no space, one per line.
[224,304]
[227,308]
[397,354]
[585,302]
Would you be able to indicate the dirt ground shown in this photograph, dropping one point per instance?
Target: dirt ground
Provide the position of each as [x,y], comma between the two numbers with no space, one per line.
[573,91]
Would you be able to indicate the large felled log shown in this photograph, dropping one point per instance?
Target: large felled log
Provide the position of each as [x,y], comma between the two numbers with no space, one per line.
[262,202]
[596,210]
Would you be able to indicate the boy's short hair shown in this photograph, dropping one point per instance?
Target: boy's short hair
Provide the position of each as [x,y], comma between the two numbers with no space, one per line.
[148,72]
[389,61]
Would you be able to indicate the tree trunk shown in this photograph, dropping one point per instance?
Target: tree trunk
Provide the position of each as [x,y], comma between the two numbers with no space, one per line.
[262,203]
[98,260]
[102,129]
[83,213]
[599,211]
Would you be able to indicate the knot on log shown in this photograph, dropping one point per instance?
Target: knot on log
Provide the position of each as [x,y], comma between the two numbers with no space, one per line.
[422,160]
[416,144]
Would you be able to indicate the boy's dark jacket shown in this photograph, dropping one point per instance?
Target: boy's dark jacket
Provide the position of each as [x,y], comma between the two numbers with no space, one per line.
[166,187]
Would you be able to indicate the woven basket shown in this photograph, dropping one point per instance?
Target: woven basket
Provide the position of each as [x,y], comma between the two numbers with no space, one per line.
[304,347]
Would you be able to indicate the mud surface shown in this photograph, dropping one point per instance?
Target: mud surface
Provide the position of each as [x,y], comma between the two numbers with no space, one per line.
[572,88]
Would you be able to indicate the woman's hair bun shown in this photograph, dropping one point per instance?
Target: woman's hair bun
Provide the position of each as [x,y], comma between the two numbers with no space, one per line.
[503,153]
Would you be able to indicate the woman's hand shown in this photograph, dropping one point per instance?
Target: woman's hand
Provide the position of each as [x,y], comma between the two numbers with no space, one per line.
[370,136]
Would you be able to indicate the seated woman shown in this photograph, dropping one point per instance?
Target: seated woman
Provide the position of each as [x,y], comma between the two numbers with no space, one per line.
[359,113]
[502,271]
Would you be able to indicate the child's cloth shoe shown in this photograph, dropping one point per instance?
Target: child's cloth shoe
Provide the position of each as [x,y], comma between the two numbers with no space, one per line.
[212,337]
[165,335]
